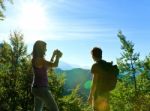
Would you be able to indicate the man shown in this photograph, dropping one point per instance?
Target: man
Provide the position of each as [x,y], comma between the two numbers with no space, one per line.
[98,97]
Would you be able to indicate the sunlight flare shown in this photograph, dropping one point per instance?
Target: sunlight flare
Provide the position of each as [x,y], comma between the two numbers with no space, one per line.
[32,16]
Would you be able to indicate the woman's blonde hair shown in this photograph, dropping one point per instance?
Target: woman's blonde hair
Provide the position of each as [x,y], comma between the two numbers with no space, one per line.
[38,49]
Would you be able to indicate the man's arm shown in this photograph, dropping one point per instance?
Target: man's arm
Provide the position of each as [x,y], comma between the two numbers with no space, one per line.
[93,88]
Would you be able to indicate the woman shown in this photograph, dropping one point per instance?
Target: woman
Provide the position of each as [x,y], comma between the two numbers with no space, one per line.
[40,80]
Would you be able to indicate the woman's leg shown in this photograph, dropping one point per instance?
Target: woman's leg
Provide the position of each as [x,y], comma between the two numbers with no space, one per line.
[43,95]
[49,101]
[38,104]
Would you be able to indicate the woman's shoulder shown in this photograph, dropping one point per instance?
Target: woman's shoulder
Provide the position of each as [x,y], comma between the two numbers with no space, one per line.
[38,62]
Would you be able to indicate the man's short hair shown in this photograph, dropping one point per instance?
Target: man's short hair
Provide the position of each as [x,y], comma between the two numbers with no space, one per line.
[97,52]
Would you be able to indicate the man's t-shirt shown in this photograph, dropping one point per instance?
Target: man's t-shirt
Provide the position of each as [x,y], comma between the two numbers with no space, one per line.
[101,96]
[99,69]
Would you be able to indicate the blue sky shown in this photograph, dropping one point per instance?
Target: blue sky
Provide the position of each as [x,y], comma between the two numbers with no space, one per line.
[76,26]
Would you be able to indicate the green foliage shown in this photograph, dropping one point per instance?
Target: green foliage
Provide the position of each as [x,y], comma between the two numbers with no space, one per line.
[71,102]
[5,53]
[128,62]
[123,98]
[56,83]
[3,8]
[120,97]
[127,97]
[15,75]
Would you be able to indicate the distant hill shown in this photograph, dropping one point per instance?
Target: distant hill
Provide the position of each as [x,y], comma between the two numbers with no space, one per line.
[66,66]
[75,77]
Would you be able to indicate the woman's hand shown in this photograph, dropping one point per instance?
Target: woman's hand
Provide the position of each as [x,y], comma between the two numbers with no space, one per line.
[53,56]
[58,53]
[55,52]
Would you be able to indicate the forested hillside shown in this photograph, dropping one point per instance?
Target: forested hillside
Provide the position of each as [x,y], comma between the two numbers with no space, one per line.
[74,77]
[132,92]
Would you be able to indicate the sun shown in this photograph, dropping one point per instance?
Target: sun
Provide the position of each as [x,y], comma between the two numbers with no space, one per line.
[32,15]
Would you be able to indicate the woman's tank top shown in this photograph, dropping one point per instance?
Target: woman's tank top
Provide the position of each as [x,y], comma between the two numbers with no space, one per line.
[40,78]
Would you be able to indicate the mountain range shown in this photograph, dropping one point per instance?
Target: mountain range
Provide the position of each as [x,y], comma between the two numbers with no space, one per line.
[66,66]
[76,76]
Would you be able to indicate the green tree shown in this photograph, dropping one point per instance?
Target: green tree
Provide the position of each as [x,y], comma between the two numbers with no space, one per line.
[5,66]
[15,70]
[144,85]
[126,96]
[3,8]
[129,60]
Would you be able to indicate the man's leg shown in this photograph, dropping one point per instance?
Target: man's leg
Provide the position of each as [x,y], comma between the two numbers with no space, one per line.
[101,104]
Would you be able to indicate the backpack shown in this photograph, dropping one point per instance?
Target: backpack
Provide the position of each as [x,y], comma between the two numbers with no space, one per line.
[108,77]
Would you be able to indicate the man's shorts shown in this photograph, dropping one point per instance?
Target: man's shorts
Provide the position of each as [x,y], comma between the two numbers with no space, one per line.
[101,102]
